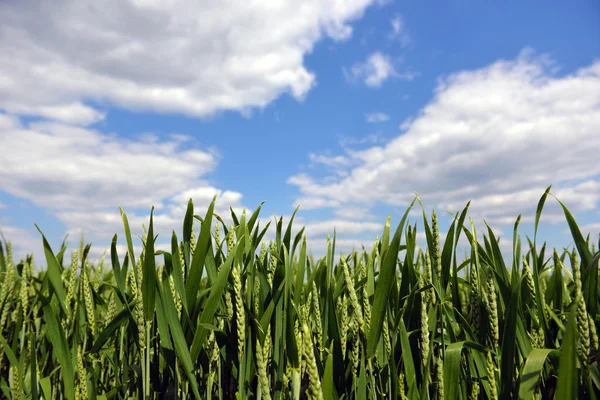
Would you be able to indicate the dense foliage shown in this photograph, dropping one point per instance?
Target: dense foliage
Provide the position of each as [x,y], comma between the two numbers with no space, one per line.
[224,317]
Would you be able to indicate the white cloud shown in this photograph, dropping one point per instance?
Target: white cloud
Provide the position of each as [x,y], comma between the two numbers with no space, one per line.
[182,56]
[399,31]
[498,135]
[375,117]
[73,167]
[344,227]
[353,212]
[377,68]
[593,230]
[74,113]
[374,71]
[81,176]
[24,242]
[342,246]
[311,203]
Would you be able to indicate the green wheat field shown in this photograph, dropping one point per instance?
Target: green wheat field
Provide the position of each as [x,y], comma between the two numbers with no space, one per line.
[225,315]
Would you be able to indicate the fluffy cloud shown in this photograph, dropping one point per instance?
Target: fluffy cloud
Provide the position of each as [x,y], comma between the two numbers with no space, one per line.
[498,135]
[374,71]
[81,176]
[65,167]
[181,56]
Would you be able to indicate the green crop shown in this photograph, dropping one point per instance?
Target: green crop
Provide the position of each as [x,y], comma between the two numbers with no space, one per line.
[223,315]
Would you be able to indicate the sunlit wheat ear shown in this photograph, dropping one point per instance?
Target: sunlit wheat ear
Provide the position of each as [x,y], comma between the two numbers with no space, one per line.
[475,391]
[492,309]
[593,333]
[193,241]
[111,311]
[355,355]
[24,288]
[263,253]
[315,391]
[317,317]
[240,312]
[7,285]
[343,322]
[71,286]
[261,367]
[98,273]
[402,386]
[352,293]
[273,264]
[428,295]
[582,315]
[437,251]
[439,372]
[285,383]
[536,332]
[88,298]
[217,236]
[138,308]
[17,377]
[230,239]
[424,329]
[474,280]
[366,305]
[491,372]
[386,337]
[81,374]
[299,344]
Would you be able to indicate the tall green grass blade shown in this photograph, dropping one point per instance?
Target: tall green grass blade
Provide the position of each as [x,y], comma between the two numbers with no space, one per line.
[532,370]
[328,386]
[566,387]
[202,247]
[54,272]
[179,341]
[384,285]
[210,306]
[507,347]
[452,366]
[60,350]
[149,275]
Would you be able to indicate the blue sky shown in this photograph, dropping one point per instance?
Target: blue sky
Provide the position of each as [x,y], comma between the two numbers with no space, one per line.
[346,108]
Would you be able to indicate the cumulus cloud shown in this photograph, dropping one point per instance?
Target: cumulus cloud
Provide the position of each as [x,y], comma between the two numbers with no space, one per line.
[181,56]
[65,167]
[375,117]
[498,135]
[74,113]
[81,176]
